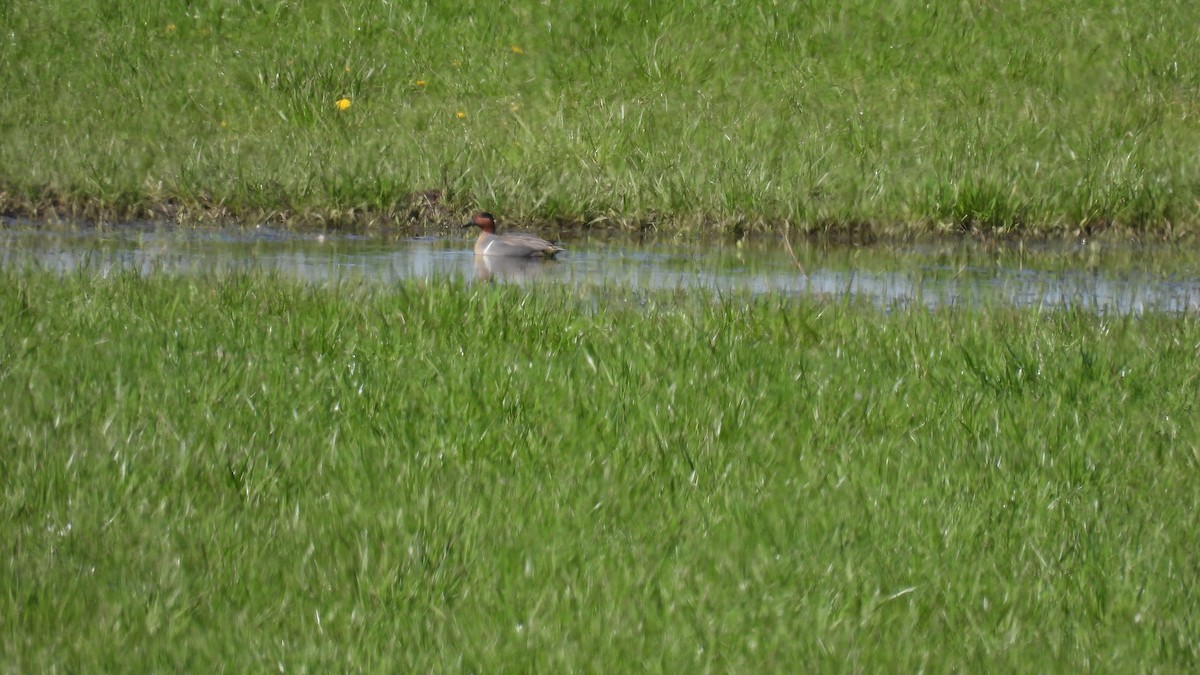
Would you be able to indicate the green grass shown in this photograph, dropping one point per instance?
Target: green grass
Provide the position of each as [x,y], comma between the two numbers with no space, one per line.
[251,474]
[1032,117]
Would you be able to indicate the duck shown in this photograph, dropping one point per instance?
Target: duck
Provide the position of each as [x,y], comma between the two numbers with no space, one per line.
[508,245]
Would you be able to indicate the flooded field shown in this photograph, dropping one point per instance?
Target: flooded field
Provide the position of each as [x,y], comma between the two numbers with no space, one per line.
[1105,277]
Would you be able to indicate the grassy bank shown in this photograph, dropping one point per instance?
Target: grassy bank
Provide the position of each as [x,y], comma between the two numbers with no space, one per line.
[1032,117]
[254,474]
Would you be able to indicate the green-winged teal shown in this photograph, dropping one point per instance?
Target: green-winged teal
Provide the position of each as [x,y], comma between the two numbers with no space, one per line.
[508,245]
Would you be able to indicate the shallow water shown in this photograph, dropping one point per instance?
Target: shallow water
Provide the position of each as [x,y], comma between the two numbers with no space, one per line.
[1104,277]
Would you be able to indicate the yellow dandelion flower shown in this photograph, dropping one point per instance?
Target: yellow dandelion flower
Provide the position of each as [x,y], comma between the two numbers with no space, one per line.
[169,29]
[420,83]
[517,50]
[342,103]
[224,124]
[461,115]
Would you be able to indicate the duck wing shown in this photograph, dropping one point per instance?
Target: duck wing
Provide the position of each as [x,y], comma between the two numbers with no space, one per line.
[519,246]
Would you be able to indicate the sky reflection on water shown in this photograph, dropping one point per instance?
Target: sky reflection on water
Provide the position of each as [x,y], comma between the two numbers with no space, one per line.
[1099,277]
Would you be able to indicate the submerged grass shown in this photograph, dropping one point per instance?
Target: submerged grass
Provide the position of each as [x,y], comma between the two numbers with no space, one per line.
[1027,117]
[247,473]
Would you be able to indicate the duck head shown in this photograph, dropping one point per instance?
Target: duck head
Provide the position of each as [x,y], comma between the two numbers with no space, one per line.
[484,221]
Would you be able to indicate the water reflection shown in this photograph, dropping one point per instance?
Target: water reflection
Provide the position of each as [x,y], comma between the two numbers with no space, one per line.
[520,270]
[1104,278]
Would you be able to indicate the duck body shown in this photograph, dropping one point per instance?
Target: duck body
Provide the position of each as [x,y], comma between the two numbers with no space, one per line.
[508,245]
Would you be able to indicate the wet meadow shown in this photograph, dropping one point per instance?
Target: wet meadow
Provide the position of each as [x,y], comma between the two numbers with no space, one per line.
[231,468]
[1032,117]
[249,472]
